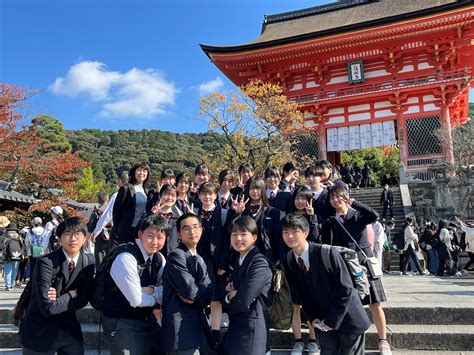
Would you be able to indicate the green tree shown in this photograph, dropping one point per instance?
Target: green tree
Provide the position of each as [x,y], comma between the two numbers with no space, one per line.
[87,189]
[53,133]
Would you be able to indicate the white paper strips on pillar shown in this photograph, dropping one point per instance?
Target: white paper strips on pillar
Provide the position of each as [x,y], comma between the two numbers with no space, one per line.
[364,136]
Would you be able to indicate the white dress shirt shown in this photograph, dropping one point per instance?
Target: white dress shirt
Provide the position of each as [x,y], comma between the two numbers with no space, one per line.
[106,216]
[269,193]
[304,255]
[124,272]
[75,259]
[242,257]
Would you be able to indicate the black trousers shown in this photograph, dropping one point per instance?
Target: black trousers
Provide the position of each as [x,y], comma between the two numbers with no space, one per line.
[65,344]
[470,262]
[335,343]
[445,261]
[387,206]
[410,253]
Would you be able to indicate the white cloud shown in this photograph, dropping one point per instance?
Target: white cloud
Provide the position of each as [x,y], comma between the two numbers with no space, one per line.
[136,93]
[210,86]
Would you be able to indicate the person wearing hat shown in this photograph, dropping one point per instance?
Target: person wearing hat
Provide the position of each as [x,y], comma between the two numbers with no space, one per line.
[4,222]
[36,242]
[13,253]
[57,215]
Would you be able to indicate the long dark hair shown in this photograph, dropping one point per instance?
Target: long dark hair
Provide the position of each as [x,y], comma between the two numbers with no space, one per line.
[131,173]
[258,183]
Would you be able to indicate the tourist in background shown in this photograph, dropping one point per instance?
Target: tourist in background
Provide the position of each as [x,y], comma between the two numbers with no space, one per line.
[13,253]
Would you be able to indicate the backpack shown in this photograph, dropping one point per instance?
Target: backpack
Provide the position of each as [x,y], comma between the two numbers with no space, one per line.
[100,278]
[25,297]
[14,250]
[436,242]
[358,272]
[54,242]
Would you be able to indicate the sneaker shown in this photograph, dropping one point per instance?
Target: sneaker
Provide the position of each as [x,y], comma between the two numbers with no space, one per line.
[225,321]
[384,348]
[7,288]
[407,274]
[313,348]
[297,348]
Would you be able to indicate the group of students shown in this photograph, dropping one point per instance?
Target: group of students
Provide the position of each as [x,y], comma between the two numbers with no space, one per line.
[181,251]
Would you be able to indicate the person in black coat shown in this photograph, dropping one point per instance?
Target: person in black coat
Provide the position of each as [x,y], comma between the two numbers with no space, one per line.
[183,186]
[386,200]
[249,287]
[291,175]
[346,228]
[328,297]
[254,204]
[61,285]
[246,171]
[276,198]
[187,291]
[314,175]
[130,204]
[226,183]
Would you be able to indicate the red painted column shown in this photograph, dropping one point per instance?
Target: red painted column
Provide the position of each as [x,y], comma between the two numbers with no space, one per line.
[322,149]
[446,137]
[402,139]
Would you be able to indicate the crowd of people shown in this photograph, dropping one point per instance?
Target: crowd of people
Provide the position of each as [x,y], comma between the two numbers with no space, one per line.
[165,256]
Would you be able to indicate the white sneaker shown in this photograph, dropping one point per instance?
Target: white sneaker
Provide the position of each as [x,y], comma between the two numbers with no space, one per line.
[313,348]
[297,348]
[384,348]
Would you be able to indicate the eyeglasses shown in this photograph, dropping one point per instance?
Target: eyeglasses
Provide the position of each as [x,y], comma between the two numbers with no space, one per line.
[77,235]
[193,227]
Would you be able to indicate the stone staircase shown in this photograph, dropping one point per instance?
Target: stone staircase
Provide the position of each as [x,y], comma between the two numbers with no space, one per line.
[424,313]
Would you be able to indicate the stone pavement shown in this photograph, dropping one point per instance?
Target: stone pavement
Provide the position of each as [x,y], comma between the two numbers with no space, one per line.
[427,314]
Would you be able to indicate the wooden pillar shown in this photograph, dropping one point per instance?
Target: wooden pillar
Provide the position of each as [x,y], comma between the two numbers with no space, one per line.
[322,149]
[402,139]
[446,137]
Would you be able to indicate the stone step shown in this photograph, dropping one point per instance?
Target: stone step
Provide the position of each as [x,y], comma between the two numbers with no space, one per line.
[414,337]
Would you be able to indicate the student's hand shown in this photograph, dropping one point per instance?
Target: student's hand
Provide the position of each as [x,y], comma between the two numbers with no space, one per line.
[309,209]
[230,287]
[319,324]
[52,294]
[231,295]
[73,294]
[148,290]
[156,208]
[92,237]
[220,272]
[185,300]
[158,315]
[238,205]
[191,208]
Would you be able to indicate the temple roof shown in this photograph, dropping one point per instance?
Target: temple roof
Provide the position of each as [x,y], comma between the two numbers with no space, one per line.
[337,17]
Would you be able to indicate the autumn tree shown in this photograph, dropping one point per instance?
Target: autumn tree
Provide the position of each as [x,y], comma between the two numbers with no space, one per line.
[22,159]
[257,122]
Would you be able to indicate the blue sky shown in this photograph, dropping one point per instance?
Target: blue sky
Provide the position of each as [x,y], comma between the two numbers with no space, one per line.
[123,64]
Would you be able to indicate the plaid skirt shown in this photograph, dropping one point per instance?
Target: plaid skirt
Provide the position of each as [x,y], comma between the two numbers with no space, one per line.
[219,282]
[377,293]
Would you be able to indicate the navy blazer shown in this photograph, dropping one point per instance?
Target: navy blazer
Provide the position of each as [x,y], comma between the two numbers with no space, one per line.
[184,325]
[124,213]
[327,296]
[358,217]
[281,201]
[248,329]
[43,318]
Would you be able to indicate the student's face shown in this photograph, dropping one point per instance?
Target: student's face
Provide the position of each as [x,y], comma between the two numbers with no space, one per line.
[168,180]
[207,198]
[190,232]
[242,241]
[300,202]
[227,183]
[294,237]
[72,242]
[338,202]
[314,181]
[202,178]
[141,175]
[168,199]
[255,194]
[152,239]
[272,182]
[183,186]
[326,176]
[245,175]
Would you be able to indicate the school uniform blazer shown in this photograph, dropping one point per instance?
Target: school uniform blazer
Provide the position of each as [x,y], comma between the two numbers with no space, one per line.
[358,217]
[322,207]
[328,296]
[281,201]
[124,212]
[269,240]
[43,318]
[248,330]
[185,325]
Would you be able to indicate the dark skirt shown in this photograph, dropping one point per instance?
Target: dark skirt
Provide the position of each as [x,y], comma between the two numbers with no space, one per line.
[377,293]
[218,282]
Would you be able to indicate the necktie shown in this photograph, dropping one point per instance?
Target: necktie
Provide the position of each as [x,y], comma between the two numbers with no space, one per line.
[254,210]
[206,215]
[272,195]
[167,216]
[223,201]
[292,188]
[302,265]
[343,218]
[195,261]
[71,266]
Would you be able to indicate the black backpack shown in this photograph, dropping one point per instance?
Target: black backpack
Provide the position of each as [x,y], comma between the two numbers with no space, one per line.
[25,297]
[100,278]
[54,242]
[14,250]
[436,242]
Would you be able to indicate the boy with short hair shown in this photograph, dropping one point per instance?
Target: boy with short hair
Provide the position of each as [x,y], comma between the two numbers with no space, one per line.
[328,298]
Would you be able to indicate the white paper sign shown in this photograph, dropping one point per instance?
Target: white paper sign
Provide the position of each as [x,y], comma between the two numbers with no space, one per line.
[343,138]
[365,136]
[354,137]
[389,133]
[377,134]
[331,134]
